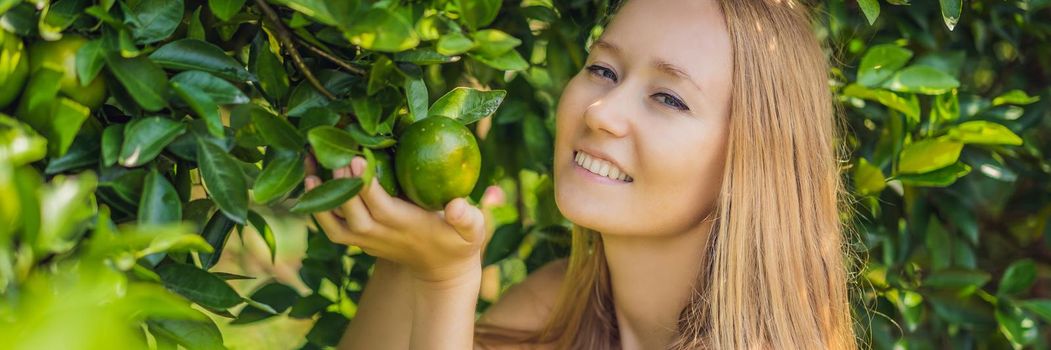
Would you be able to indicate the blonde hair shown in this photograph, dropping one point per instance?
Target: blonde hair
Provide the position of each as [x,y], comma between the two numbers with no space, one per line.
[778,269]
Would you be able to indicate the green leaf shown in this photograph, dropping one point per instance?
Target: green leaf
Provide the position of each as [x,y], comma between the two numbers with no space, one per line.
[378,75]
[145,138]
[202,105]
[957,279]
[328,195]
[1016,326]
[153,20]
[1040,307]
[225,9]
[1018,277]
[364,139]
[90,59]
[880,62]
[198,285]
[504,242]
[871,9]
[221,91]
[468,105]
[454,43]
[271,72]
[868,179]
[368,112]
[423,57]
[192,54]
[328,329]
[494,42]
[379,29]
[160,203]
[927,155]
[981,132]
[922,80]
[938,178]
[142,79]
[276,131]
[276,296]
[66,119]
[204,335]
[477,14]
[281,175]
[510,60]
[416,95]
[112,138]
[264,232]
[951,12]
[307,306]
[939,247]
[216,231]
[1015,97]
[304,97]
[223,179]
[333,148]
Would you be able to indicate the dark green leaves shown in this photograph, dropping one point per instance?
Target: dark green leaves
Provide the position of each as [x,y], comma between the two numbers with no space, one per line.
[190,54]
[476,14]
[144,139]
[199,286]
[160,204]
[1018,277]
[224,179]
[951,12]
[144,81]
[276,131]
[153,20]
[221,91]
[282,174]
[333,148]
[328,195]
[870,8]
[468,105]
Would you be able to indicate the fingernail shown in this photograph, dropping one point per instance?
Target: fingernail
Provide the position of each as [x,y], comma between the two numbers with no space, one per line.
[311,181]
[357,165]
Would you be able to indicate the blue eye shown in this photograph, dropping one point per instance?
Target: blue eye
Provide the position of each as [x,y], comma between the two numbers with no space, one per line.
[600,72]
[675,103]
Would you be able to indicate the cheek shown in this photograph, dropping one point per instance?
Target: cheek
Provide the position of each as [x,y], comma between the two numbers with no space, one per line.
[685,185]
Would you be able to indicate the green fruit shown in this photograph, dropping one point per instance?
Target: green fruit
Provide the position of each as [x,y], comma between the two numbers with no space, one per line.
[14,67]
[63,54]
[437,160]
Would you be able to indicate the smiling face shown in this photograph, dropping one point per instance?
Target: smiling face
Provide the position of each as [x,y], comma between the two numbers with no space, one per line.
[652,106]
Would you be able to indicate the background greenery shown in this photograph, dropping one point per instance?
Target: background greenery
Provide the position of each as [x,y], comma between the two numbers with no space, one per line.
[115,216]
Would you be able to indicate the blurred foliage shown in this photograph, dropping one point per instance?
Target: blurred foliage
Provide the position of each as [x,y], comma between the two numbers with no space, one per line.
[211,107]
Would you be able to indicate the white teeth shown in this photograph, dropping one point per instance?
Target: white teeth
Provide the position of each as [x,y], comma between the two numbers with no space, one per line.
[601,167]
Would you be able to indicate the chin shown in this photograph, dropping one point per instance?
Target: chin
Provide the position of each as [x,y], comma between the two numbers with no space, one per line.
[583,210]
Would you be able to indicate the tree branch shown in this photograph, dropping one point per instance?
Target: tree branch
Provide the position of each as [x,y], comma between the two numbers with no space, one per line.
[338,61]
[285,38]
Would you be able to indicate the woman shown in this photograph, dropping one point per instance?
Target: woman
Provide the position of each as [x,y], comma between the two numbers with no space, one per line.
[695,155]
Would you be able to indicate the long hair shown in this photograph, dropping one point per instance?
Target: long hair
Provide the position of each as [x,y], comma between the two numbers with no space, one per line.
[778,267]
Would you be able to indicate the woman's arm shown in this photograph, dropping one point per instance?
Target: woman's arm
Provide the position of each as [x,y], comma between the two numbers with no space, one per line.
[443,312]
[384,317]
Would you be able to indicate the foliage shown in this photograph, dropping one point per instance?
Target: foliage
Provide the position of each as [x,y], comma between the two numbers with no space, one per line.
[212,108]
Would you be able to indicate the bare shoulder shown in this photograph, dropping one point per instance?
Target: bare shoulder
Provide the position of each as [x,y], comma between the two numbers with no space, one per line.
[526,305]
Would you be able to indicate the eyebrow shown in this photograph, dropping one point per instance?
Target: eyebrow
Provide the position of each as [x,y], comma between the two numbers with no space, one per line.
[661,64]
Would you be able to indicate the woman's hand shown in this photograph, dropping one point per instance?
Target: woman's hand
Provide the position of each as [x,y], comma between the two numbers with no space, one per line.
[436,247]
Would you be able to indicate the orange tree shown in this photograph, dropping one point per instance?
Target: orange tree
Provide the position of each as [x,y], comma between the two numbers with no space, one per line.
[114,213]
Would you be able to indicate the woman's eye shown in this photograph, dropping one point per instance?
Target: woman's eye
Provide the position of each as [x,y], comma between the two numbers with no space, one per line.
[600,71]
[673,102]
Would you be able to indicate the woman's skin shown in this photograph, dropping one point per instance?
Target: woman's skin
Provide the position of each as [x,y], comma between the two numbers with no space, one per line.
[665,131]
[668,133]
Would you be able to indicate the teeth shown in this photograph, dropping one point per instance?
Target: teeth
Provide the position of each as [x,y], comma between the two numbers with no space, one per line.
[601,167]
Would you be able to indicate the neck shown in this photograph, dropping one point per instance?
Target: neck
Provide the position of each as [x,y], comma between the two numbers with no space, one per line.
[652,279]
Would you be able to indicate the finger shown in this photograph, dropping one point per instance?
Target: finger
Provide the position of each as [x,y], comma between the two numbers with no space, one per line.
[377,200]
[465,218]
[359,219]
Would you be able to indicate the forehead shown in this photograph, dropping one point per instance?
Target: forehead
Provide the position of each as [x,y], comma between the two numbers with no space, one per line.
[687,33]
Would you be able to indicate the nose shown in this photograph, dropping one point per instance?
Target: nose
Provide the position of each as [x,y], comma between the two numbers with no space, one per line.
[608,114]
